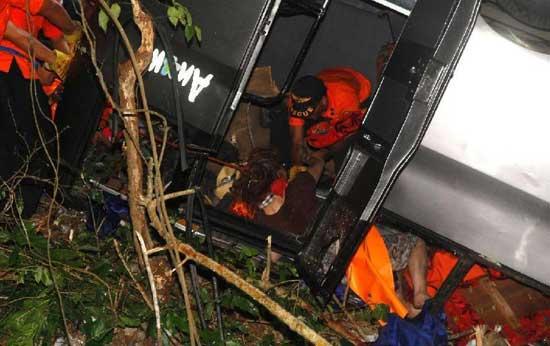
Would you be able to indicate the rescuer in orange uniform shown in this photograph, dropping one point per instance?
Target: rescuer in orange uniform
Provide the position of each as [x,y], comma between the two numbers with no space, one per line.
[25,125]
[325,109]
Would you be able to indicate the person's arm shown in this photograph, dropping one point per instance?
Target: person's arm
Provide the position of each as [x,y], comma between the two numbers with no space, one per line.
[317,164]
[58,16]
[27,42]
[46,77]
[62,50]
[297,138]
[61,45]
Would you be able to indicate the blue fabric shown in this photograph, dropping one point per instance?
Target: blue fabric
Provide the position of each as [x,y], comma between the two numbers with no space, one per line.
[352,298]
[424,330]
[107,216]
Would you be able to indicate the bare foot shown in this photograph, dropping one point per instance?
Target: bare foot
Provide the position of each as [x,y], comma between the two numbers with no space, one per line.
[419,299]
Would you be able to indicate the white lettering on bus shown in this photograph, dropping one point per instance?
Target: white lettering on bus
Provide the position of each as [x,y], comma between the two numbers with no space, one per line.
[185,73]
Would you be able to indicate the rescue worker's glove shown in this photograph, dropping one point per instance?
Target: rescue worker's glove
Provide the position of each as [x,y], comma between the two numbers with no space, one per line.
[61,64]
[295,170]
[73,40]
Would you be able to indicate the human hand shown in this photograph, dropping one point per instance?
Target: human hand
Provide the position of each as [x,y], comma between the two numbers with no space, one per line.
[61,65]
[46,77]
[320,154]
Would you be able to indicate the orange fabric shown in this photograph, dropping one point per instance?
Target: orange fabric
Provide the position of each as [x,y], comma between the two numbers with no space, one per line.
[242,209]
[370,275]
[296,122]
[324,133]
[346,89]
[18,17]
[4,17]
[34,5]
[49,90]
[441,265]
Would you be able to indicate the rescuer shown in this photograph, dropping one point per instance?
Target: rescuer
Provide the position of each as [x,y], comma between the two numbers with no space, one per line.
[25,124]
[323,111]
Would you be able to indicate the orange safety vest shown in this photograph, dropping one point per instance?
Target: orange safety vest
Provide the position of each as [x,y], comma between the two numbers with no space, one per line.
[4,16]
[36,24]
[370,274]
[346,89]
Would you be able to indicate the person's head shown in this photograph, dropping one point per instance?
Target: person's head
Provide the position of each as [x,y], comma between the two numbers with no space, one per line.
[260,179]
[307,98]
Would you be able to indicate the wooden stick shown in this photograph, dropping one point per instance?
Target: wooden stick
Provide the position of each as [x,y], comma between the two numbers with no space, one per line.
[267,271]
[140,288]
[153,287]
[278,311]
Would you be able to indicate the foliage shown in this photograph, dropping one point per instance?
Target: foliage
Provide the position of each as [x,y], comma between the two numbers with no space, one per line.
[180,15]
[90,282]
[99,297]
[177,14]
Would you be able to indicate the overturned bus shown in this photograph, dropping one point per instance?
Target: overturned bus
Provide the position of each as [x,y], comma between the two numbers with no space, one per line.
[452,146]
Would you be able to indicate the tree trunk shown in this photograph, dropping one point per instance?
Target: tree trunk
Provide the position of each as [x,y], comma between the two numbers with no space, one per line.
[127,82]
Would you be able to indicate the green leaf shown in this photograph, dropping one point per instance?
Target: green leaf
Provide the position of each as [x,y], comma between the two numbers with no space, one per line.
[19,203]
[14,259]
[251,267]
[38,275]
[232,343]
[103,20]
[189,32]
[22,326]
[20,277]
[245,305]
[68,256]
[198,33]
[188,18]
[249,251]
[174,321]
[181,323]
[115,9]
[173,15]
[88,248]
[210,337]
[46,277]
[127,321]
[4,236]
[267,340]
[380,312]
[181,11]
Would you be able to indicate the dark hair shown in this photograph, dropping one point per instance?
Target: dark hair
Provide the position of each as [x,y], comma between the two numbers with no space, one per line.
[255,181]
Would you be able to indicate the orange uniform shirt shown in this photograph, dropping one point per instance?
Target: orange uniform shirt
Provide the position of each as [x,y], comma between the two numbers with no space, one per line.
[4,16]
[346,89]
[18,16]
[34,7]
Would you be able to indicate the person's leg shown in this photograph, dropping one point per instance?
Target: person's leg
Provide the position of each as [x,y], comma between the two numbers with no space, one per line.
[418,267]
[7,131]
[26,113]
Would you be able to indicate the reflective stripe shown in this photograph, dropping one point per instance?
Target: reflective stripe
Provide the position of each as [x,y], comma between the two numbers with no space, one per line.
[14,52]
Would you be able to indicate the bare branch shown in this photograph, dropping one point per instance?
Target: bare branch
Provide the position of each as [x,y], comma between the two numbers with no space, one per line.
[290,320]
[153,287]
